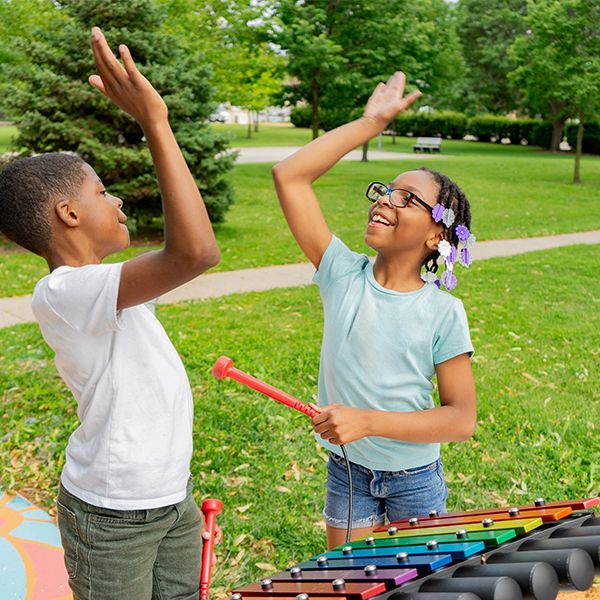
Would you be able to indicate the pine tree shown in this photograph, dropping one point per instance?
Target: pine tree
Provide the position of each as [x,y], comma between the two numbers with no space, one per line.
[58,110]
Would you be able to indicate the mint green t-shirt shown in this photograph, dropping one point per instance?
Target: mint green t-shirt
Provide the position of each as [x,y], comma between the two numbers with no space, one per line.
[379,351]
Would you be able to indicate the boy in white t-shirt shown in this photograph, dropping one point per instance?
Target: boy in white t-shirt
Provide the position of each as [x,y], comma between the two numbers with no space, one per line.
[129,524]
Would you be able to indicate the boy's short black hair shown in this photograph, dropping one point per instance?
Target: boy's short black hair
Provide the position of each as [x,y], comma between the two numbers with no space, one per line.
[28,189]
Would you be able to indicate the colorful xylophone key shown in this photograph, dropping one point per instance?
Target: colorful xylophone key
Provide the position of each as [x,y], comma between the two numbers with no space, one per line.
[335,588]
[423,563]
[491,539]
[457,550]
[391,577]
[521,526]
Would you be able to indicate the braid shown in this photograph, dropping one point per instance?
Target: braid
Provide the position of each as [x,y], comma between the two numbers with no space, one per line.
[449,196]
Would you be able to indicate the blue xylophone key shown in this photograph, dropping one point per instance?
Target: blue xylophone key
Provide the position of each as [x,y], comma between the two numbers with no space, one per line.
[457,550]
[422,562]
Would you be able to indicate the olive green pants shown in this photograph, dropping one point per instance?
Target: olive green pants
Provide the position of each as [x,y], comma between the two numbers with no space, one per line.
[151,554]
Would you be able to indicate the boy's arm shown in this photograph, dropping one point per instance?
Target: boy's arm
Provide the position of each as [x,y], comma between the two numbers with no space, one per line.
[295,175]
[453,421]
[190,247]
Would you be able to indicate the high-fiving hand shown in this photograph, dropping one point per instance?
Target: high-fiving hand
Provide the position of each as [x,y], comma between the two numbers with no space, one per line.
[388,99]
[124,84]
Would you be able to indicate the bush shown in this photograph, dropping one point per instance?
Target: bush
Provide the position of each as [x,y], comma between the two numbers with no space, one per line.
[301,115]
[486,127]
[542,134]
[591,137]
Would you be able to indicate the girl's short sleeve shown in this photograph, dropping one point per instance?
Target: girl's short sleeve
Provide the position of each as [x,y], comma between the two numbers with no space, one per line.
[452,336]
[337,261]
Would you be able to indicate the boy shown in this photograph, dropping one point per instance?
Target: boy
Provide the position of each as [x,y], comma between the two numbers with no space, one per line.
[129,524]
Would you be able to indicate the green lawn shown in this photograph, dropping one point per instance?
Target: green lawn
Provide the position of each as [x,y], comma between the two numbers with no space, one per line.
[539,405]
[514,191]
[269,134]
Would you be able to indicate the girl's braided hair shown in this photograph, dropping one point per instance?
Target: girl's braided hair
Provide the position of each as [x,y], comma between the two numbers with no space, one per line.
[449,196]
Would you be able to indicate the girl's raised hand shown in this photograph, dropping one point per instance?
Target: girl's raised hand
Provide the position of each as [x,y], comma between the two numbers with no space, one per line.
[124,84]
[388,99]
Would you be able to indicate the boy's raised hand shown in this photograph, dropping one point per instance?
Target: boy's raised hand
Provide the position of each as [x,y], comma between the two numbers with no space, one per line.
[124,84]
[388,99]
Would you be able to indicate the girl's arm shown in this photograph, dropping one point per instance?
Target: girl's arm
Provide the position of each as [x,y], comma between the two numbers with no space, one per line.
[295,175]
[453,421]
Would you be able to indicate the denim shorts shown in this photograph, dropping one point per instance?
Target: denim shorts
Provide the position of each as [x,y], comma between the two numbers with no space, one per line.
[377,495]
[151,554]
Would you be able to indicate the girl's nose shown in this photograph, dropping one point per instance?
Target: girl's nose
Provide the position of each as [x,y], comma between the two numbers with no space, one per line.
[118,202]
[385,200]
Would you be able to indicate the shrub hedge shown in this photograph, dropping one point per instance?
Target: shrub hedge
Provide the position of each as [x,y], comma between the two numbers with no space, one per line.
[591,137]
[455,125]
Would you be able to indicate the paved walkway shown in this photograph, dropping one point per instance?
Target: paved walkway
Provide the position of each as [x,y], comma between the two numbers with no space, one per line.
[272,154]
[213,285]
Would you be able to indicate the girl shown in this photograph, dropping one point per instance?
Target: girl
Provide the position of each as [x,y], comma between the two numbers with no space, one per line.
[386,332]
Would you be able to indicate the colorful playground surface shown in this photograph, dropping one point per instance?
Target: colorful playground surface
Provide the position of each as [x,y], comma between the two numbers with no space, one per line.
[31,556]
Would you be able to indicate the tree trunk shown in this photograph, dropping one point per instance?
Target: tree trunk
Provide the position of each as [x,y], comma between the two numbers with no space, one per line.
[394,138]
[557,132]
[578,152]
[314,88]
[365,149]
[256,122]
[249,136]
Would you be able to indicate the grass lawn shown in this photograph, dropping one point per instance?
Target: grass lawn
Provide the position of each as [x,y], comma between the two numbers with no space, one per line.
[539,405]
[515,191]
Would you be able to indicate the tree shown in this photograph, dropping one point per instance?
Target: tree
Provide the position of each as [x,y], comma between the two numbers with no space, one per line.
[58,110]
[559,61]
[338,50]
[232,35]
[487,28]
[18,21]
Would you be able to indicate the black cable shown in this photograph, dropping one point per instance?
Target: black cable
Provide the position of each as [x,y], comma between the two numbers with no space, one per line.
[349,526]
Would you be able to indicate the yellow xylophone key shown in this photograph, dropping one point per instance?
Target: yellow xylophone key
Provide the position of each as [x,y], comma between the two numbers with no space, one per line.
[519,525]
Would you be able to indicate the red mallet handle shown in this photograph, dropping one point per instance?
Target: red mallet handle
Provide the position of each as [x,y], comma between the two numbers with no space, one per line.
[210,508]
[224,368]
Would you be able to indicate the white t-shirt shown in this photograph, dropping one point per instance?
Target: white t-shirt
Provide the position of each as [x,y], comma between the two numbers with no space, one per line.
[133,447]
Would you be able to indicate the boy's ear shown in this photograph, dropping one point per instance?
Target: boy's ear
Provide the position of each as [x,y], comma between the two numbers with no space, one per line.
[66,212]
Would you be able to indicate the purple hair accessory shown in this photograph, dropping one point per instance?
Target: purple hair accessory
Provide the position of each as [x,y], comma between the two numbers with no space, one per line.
[462,233]
[437,213]
[452,256]
[449,280]
[465,257]
[448,217]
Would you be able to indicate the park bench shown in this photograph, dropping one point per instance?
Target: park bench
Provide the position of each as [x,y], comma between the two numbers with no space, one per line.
[431,144]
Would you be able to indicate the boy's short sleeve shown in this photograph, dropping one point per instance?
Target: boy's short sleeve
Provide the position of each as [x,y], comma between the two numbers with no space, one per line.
[83,297]
[337,261]
[452,336]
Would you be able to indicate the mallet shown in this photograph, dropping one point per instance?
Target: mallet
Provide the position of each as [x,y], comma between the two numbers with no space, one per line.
[224,368]
[210,508]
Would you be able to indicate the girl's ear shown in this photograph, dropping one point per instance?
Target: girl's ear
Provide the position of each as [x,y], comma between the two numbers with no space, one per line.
[434,240]
[66,212]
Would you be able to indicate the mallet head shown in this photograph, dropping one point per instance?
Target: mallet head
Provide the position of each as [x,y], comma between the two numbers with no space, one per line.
[222,367]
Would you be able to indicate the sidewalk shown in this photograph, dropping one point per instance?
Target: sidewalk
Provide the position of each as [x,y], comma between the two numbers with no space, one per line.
[273,154]
[213,285]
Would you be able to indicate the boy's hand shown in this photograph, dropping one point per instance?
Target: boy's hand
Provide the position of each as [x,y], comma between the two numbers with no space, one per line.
[340,424]
[206,535]
[124,84]
[388,99]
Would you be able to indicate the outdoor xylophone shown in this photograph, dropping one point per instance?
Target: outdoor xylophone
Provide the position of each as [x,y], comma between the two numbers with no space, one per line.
[525,552]
[521,553]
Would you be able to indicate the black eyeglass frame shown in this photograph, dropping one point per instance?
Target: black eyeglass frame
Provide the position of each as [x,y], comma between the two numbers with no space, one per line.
[411,196]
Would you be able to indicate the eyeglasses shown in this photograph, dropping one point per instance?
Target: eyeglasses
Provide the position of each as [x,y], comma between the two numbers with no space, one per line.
[397,197]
